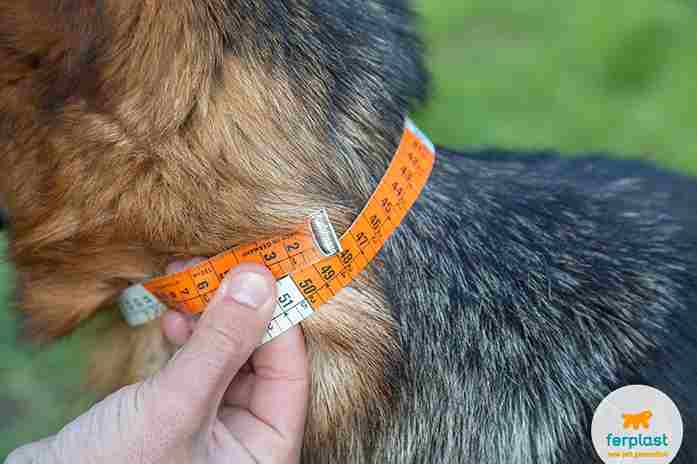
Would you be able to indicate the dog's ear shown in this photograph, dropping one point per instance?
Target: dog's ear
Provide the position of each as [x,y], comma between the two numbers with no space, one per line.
[48,47]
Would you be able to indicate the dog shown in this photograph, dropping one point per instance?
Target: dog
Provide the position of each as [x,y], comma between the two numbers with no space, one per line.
[520,290]
[637,420]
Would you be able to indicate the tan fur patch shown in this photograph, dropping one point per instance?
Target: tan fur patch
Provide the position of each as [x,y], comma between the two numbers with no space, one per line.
[352,342]
[124,355]
[177,149]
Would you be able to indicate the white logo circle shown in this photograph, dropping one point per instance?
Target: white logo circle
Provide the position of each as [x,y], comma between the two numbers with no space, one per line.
[637,424]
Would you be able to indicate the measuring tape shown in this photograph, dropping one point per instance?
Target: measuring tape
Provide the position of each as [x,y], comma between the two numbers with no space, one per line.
[311,265]
[191,289]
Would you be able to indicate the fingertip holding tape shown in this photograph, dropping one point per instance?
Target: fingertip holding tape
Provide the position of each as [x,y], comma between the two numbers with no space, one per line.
[312,264]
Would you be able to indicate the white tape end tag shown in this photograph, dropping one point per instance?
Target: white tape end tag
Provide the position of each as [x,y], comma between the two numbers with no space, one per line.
[139,306]
[409,124]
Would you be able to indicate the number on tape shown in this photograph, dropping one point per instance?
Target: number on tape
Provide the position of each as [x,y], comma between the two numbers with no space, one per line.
[311,265]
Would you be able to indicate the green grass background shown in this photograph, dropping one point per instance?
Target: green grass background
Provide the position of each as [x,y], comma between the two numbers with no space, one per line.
[611,76]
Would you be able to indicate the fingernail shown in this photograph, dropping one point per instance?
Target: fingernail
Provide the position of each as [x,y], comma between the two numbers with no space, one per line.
[248,288]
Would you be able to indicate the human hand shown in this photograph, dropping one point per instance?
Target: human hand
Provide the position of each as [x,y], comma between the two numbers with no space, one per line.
[216,401]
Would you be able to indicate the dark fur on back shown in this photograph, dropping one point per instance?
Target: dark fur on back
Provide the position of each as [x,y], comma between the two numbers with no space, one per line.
[527,288]
[520,290]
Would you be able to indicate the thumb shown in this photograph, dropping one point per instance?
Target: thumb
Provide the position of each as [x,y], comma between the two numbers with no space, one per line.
[225,337]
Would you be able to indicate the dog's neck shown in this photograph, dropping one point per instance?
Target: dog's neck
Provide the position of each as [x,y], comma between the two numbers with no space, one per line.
[274,128]
[187,142]
[185,129]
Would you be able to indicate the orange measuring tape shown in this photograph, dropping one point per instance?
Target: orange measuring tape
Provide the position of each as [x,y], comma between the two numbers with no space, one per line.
[311,265]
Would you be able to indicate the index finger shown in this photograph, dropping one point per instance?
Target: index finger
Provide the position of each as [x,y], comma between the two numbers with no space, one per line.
[281,391]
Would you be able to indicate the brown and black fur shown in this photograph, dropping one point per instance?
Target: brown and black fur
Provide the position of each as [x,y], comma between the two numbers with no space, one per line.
[518,293]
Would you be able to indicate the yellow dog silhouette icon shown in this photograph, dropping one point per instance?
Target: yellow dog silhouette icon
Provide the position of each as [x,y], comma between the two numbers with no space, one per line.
[637,420]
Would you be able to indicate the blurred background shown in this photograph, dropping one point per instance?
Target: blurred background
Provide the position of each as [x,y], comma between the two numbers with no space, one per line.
[600,76]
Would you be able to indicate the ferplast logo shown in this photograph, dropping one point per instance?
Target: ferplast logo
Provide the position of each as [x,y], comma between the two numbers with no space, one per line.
[637,420]
[637,424]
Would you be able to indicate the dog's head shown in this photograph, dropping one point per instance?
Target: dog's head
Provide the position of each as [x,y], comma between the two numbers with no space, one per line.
[133,132]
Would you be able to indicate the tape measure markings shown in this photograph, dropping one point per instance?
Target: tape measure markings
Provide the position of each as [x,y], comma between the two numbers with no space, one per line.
[191,289]
[370,224]
[377,215]
[323,280]
[305,278]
